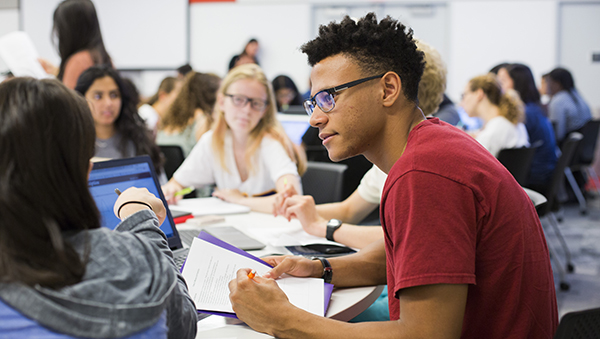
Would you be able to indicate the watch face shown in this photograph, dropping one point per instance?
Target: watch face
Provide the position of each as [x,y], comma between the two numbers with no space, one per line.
[334,223]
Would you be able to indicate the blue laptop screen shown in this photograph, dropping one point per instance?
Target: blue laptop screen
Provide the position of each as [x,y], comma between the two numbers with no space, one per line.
[102,184]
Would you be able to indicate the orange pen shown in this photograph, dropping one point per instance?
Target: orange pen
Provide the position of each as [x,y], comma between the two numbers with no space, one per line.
[252,274]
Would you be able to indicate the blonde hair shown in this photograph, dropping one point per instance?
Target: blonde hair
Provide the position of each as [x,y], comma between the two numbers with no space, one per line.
[267,126]
[433,82]
[510,105]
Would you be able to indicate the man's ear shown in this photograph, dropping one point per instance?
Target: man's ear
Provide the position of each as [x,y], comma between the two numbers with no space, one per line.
[392,88]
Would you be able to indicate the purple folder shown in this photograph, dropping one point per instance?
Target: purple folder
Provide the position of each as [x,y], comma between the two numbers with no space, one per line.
[216,241]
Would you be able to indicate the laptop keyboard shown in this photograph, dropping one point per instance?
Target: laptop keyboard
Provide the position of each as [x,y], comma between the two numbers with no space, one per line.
[179,256]
[187,236]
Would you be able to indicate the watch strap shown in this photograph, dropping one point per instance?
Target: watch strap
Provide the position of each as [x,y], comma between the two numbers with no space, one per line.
[332,226]
[327,270]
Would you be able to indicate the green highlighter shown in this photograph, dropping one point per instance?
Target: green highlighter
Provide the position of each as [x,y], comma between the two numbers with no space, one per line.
[185,191]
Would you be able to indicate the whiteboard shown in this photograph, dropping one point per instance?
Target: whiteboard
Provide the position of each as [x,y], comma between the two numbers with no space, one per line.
[138,34]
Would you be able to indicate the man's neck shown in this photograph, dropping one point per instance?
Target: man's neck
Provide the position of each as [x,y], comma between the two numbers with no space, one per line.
[394,138]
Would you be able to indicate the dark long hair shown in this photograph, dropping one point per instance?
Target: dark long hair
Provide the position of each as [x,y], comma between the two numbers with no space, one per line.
[283,81]
[46,142]
[564,78]
[129,124]
[76,28]
[524,83]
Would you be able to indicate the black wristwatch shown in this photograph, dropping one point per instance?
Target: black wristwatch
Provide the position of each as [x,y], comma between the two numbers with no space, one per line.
[327,271]
[332,226]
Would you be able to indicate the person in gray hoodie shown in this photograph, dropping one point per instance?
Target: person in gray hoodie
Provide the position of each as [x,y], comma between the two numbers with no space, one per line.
[61,274]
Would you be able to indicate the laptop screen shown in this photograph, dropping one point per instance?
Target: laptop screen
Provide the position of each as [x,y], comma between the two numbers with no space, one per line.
[122,174]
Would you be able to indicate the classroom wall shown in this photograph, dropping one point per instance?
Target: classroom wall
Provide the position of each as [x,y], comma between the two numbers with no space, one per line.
[473,35]
[9,22]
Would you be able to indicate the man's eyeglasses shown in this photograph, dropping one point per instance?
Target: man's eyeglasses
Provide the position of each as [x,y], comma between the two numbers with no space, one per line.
[324,99]
[242,100]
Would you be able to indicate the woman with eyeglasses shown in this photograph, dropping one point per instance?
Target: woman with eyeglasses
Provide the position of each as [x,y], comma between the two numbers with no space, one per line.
[503,114]
[246,154]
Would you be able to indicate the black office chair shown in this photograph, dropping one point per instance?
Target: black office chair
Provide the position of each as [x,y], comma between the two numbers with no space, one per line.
[545,212]
[173,158]
[579,325]
[324,181]
[583,159]
[518,161]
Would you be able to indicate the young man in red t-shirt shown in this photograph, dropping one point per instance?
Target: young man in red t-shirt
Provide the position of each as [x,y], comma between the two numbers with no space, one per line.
[463,252]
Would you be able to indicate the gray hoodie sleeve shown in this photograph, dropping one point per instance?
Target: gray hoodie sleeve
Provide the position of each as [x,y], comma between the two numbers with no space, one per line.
[182,316]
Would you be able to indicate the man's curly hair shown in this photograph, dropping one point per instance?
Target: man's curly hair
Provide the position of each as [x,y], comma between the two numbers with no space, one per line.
[377,48]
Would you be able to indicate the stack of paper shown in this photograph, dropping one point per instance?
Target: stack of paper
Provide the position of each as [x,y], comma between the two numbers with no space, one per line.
[212,263]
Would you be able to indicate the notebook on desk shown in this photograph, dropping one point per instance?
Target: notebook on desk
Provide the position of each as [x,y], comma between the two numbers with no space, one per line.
[123,174]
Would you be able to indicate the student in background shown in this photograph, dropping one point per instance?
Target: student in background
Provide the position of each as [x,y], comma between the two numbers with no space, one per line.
[464,253]
[247,153]
[191,114]
[182,71]
[286,93]
[157,105]
[502,113]
[62,275]
[518,77]
[567,109]
[79,41]
[248,56]
[120,131]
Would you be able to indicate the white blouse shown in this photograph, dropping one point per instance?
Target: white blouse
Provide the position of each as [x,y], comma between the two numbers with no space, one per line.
[203,167]
[499,133]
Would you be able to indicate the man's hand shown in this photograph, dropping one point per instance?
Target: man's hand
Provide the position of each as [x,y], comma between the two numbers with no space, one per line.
[229,195]
[258,301]
[141,195]
[293,265]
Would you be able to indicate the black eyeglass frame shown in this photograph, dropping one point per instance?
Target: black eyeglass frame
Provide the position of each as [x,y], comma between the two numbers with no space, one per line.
[333,90]
[249,100]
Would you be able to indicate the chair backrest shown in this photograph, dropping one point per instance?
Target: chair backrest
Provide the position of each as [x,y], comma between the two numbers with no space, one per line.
[173,158]
[324,181]
[567,150]
[579,325]
[584,154]
[518,161]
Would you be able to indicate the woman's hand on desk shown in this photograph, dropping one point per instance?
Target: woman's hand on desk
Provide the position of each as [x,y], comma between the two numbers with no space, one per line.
[229,195]
[278,205]
[169,189]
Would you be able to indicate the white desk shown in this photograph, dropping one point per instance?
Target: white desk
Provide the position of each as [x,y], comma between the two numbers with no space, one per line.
[345,303]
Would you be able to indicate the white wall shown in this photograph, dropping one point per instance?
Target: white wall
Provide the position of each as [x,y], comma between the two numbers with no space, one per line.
[486,33]
[475,35]
[9,22]
[221,30]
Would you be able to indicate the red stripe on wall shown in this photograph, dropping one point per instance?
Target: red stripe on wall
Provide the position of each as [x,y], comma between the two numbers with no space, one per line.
[193,1]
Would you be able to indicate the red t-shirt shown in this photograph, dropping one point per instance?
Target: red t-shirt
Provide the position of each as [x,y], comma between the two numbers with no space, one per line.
[452,214]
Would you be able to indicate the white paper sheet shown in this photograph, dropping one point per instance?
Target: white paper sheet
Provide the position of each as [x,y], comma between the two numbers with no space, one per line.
[208,206]
[209,268]
[19,54]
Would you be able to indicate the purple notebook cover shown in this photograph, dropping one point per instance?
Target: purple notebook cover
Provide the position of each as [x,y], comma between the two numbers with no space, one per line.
[216,241]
